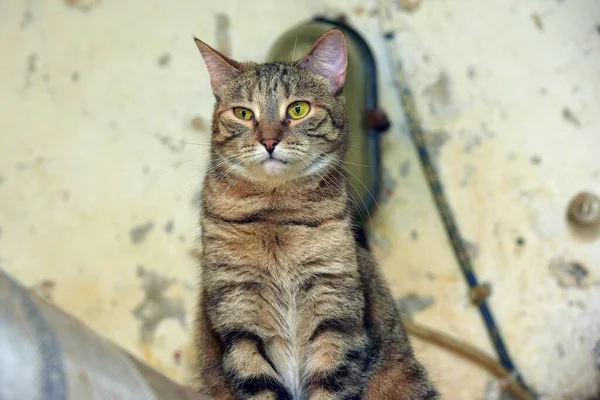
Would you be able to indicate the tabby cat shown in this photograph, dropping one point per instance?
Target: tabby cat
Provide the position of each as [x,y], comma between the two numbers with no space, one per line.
[290,306]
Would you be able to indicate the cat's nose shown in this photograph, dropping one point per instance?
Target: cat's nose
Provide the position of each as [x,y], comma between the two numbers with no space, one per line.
[269,144]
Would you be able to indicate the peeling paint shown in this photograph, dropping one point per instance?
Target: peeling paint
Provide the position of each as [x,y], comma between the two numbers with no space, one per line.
[536,160]
[414,235]
[520,241]
[471,72]
[468,173]
[388,185]
[560,349]
[473,142]
[223,23]
[486,131]
[576,303]
[435,141]
[138,233]
[405,168]
[26,19]
[570,117]
[82,5]
[538,21]
[412,303]
[168,228]
[156,306]
[569,274]
[440,96]
[164,60]
[409,5]
[176,146]
[198,124]
[31,63]
[31,68]
[472,249]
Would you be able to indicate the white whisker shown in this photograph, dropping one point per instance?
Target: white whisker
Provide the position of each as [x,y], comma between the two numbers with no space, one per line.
[294,50]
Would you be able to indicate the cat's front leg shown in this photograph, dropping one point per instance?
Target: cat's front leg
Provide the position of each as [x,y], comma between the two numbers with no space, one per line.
[245,325]
[338,353]
[337,348]
[211,379]
[248,368]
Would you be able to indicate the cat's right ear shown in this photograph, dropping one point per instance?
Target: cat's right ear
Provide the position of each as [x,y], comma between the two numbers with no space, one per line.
[220,68]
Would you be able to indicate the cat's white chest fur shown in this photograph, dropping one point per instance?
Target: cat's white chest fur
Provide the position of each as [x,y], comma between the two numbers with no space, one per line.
[285,351]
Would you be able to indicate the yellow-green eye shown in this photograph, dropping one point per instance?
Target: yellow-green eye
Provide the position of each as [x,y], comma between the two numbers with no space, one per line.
[298,109]
[242,113]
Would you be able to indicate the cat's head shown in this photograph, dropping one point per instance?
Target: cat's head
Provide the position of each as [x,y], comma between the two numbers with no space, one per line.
[280,121]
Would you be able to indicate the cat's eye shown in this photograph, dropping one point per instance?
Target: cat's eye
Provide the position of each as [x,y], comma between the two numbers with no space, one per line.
[298,109]
[243,113]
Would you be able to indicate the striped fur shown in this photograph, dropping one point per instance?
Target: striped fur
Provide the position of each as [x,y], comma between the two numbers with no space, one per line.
[290,306]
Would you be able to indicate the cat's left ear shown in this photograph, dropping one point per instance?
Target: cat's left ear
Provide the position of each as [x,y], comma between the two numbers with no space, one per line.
[220,68]
[329,58]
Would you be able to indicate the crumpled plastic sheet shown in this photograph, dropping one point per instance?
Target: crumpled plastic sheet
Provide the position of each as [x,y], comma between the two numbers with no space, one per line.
[46,354]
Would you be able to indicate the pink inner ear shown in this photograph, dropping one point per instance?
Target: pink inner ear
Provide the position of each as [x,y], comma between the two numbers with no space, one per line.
[329,58]
[220,68]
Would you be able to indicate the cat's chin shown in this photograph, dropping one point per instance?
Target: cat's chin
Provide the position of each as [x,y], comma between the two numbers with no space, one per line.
[274,167]
[271,173]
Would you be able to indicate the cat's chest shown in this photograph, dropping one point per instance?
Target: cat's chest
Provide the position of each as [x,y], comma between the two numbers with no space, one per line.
[277,246]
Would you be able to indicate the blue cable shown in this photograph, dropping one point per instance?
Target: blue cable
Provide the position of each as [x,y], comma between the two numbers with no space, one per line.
[437,190]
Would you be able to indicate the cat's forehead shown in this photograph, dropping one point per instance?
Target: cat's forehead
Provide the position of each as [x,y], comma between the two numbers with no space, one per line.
[271,81]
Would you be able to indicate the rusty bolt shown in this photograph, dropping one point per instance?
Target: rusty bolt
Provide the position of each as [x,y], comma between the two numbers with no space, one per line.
[584,210]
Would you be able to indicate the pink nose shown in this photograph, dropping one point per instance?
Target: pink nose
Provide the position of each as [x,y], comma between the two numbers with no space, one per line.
[269,144]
